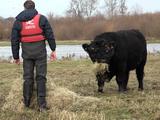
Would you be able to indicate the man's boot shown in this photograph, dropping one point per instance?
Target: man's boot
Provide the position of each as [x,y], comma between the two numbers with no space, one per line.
[27,102]
[42,104]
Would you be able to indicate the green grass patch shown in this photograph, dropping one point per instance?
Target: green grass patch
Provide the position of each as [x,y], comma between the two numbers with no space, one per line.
[5,43]
[153,41]
[58,42]
[71,42]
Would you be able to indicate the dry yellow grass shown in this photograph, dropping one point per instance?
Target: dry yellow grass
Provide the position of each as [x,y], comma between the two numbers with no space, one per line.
[99,67]
[72,94]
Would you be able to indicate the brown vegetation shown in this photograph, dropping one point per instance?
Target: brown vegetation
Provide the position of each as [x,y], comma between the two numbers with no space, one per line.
[84,20]
[74,28]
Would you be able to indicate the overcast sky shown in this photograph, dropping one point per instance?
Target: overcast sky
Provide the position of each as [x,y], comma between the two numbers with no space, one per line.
[10,8]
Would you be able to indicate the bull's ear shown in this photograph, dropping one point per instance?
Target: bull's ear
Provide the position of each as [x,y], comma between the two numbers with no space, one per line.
[101,42]
[85,46]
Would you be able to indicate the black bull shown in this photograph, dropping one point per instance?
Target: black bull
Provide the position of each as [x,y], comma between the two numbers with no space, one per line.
[122,51]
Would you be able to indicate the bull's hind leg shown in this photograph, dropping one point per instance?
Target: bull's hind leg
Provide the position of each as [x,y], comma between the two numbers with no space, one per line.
[140,75]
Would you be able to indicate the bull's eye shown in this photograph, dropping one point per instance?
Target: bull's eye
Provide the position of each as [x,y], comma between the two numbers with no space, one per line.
[111,46]
[106,46]
[107,51]
[92,48]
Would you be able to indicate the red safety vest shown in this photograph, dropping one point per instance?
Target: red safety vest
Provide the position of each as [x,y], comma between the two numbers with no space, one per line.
[31,31]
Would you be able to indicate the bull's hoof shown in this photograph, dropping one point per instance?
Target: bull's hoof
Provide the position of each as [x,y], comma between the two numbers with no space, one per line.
[140,89]
[123,90]
[100,90]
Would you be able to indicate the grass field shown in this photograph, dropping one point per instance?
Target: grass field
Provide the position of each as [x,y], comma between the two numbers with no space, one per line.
[72,94]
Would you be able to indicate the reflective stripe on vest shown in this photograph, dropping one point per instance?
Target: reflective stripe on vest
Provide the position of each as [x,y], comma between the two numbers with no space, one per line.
[31,32]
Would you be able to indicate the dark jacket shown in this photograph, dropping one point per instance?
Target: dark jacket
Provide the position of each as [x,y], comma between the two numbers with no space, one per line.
[27,15]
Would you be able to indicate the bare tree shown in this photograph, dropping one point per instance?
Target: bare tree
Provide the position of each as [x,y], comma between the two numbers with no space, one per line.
[111,7]
[89,7]
[136,10]
[50,16]
[76,8]
[82,8]
[122,7]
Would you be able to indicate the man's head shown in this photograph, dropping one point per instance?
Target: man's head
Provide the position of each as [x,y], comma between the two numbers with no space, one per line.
[29,4]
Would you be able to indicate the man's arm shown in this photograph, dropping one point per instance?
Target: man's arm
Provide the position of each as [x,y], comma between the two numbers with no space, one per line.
[48,32]
[15,39]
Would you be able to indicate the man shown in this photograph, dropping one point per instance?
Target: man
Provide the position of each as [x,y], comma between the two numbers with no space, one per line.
[31,30]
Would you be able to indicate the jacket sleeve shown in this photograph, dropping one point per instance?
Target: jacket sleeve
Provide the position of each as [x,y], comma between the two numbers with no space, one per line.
[15,39]
[48,32]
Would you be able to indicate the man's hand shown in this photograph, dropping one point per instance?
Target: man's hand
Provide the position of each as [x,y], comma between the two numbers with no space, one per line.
[17,61]
[53,56]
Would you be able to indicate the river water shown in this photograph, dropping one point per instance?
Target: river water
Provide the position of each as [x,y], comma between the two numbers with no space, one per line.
[73,51]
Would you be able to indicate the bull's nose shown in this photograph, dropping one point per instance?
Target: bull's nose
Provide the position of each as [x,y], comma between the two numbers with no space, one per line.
[93,60]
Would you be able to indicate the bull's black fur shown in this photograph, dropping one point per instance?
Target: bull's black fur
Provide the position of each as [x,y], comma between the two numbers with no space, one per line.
[123,51]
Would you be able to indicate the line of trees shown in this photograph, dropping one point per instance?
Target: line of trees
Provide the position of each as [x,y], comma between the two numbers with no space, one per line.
[84,20]
[5,27]
[87,8]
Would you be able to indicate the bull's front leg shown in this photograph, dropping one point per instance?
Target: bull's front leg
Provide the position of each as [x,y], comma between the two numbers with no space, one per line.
[122,77]
[100,82]
[107,76]
[120,82]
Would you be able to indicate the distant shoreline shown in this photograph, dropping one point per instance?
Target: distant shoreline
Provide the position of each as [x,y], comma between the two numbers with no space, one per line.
[68,42]
[64,42]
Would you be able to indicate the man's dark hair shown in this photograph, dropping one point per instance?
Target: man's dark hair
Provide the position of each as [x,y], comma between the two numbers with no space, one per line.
[29,4]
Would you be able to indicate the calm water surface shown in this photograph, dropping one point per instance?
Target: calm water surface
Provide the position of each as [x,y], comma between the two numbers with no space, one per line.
[74,51]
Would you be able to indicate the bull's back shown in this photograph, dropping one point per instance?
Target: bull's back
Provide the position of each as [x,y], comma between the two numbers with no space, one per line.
[134,47]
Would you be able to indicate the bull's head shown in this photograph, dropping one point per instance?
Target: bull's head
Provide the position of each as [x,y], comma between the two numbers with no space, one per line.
[100,50]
